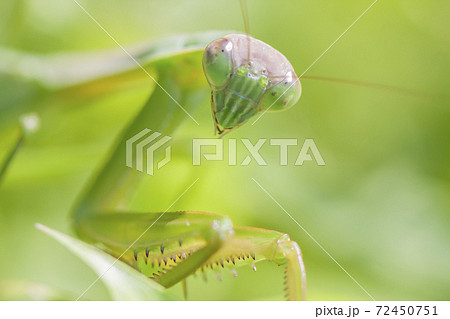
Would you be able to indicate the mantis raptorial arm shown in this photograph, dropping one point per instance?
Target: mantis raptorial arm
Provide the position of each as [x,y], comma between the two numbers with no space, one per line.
[178,243]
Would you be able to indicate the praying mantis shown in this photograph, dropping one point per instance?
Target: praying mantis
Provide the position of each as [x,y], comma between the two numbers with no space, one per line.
[165,246]
[170,246]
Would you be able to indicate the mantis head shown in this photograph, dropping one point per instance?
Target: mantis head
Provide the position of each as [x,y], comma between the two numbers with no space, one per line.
[247,77]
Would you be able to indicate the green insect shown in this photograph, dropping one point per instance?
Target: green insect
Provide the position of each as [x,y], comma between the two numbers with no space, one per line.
[247,77]
[169,247]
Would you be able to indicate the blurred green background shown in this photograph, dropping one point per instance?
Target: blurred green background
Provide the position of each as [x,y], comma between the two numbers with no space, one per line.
[380,206]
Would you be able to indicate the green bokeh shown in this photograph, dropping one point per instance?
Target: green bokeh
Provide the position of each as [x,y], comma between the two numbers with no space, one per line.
[380,206]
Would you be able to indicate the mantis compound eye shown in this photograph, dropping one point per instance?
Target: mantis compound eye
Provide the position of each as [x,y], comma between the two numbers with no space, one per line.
[282,95]
[217,62]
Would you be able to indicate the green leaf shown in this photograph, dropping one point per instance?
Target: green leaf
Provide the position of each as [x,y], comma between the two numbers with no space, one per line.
[122,281]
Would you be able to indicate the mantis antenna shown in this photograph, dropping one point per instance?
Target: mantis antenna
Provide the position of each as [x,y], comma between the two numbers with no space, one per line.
[244,10]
